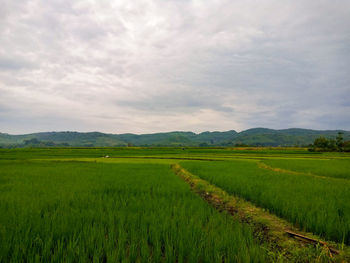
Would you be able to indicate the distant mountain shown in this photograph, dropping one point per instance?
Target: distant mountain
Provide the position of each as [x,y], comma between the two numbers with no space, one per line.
[286,137]
[253,137]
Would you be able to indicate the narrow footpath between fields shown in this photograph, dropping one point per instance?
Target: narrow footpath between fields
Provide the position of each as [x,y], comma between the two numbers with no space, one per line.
[284,241]
[280,170]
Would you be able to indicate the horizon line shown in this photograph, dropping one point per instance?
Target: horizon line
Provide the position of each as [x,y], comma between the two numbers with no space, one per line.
[237,131]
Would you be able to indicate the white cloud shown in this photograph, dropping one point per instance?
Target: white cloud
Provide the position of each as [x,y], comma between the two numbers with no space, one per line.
[148,66]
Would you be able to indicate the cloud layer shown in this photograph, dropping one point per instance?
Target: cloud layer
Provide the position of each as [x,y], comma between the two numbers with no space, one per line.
[148,66]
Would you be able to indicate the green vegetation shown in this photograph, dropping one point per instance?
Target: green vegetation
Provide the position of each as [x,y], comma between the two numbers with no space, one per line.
[337,168]
[282,248]
[323,144]
[320,205]
[252,137]
[163,152]
[83,212]
[125,204]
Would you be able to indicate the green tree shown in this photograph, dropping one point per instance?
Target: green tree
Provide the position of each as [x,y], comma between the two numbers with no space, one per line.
[321,142]
[339,141]
[346,146]
[33,141]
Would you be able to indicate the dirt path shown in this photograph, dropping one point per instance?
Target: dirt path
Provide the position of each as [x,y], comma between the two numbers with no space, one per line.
[285,242]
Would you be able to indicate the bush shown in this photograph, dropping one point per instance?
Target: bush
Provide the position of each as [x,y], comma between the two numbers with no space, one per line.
[322,144]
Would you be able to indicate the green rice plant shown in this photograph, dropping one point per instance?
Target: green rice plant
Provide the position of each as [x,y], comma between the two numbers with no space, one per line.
[337,168]
[97,212]
[66,153]
[319,205]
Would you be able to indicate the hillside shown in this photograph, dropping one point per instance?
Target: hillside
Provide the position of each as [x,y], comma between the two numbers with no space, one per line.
[254,137]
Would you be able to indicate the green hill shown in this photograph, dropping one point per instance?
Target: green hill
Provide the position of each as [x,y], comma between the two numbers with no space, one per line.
[254,137]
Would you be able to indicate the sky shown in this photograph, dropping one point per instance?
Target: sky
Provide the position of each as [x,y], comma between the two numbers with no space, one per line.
[147,66]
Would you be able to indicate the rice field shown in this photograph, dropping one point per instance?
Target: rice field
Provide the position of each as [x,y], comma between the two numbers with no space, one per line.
[336,168]
[75,205]
[96,212]
[319,205]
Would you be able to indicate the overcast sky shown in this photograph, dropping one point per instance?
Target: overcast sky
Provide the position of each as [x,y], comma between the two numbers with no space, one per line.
[156,65]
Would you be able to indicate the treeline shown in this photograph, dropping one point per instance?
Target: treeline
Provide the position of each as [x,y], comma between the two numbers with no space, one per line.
[323,144]
[35,143]
[257,137]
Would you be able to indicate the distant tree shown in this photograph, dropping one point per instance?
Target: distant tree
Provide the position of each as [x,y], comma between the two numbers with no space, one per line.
[49,143]
[339,141]
[346,146]
[332,146]
[33,141]
[241,145]
[322,144]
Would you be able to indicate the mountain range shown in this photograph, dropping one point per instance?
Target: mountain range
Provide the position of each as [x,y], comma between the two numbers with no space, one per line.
[251,137]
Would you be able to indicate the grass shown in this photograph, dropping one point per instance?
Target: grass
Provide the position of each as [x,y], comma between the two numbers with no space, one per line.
[319,205]
[338,168]
[266,226]
[48,153]
[71,205]
[122,212]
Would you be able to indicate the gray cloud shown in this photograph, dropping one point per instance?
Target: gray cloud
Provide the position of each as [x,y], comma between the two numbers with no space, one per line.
[149,66]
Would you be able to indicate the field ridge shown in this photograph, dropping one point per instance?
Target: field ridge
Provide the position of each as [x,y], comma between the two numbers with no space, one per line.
[265,166]
[268,228]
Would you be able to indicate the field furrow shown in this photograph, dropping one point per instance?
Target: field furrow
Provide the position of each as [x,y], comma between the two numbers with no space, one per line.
[277,234]
[312,204]
[333,168]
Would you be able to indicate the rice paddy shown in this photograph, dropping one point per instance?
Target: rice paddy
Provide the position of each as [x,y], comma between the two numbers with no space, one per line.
[75,205]
[319,205]
[112,212]
[336,168]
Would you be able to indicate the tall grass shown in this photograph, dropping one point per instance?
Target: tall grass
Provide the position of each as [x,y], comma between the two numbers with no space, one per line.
[95,212]
[315,204]
[337,168]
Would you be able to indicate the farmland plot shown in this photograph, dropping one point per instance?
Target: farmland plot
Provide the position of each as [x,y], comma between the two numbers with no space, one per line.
[81,212]
[336,168]
[319,205]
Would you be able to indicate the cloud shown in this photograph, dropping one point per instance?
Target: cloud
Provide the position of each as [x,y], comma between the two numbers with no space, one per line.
[150,66]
